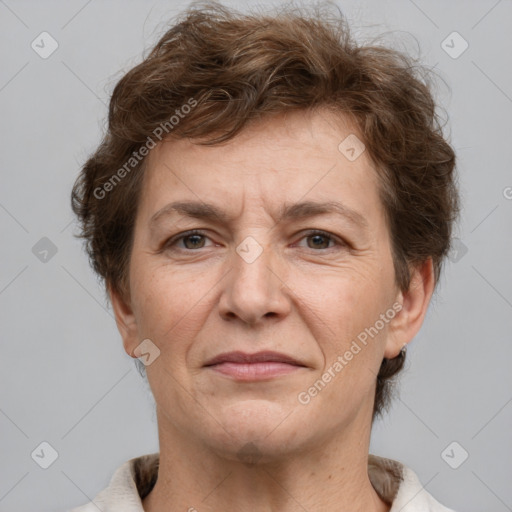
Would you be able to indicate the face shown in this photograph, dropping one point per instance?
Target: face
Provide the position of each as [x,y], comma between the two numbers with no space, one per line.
[267,294]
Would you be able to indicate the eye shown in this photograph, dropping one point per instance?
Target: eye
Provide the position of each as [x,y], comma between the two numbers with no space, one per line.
[193,239]
[320,239]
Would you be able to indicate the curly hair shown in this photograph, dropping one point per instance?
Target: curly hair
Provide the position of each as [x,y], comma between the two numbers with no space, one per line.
[216,70]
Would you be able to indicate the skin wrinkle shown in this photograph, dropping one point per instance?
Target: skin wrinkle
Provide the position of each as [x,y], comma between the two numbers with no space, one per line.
[195,304]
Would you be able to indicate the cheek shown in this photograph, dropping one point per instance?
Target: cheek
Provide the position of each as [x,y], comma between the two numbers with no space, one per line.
[352,351]
[344,308]
[171,308]
[152,301]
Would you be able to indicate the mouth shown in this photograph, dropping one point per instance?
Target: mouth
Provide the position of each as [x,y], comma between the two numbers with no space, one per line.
[251,367]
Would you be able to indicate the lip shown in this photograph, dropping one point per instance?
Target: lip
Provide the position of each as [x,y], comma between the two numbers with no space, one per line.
[266,356]
[250,367]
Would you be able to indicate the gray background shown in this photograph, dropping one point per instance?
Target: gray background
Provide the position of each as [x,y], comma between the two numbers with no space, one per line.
[65,377]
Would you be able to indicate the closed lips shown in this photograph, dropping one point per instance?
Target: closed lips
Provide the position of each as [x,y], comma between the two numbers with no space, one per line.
[258,357]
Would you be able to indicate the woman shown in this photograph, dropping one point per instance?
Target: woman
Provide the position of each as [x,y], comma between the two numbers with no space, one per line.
[270,210]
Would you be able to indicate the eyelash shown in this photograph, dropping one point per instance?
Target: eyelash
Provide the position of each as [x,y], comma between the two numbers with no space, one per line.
[318,232]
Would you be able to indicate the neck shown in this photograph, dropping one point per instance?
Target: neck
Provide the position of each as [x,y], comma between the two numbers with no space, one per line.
[330,477]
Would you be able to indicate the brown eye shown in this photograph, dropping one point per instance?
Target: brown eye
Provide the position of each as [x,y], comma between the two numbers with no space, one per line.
[191,240]
[319,241]
[196,241]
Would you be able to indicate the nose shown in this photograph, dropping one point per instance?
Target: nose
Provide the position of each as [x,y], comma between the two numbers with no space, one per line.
[255,289]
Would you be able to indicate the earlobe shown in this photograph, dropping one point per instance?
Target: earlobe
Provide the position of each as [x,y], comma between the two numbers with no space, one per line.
[125,320]
[406,324]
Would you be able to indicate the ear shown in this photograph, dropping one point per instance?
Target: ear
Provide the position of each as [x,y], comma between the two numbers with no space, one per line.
[125,320]
[407,322]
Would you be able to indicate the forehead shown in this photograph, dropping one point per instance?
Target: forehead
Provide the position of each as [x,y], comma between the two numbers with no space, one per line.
[274,163]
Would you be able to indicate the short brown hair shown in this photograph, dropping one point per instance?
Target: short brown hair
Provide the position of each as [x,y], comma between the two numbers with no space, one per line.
[231,68]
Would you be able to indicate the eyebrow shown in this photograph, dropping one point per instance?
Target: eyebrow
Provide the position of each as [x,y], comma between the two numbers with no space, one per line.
[294,211]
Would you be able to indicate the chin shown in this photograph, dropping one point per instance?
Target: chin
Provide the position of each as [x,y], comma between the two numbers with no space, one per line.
[256,431]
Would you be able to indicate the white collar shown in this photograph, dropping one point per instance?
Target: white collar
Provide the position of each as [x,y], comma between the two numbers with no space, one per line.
[392,480]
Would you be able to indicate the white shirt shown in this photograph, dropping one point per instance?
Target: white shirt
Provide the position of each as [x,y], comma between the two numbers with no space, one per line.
[393,481]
